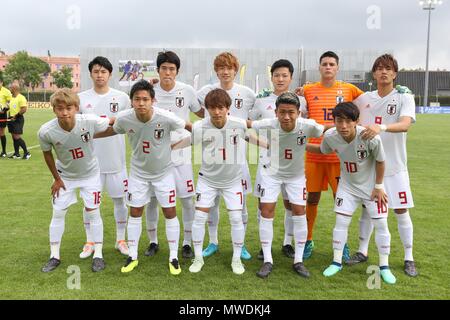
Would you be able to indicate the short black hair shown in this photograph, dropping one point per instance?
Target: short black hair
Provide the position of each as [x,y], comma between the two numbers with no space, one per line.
[168,56]
[142,85]
[101,61]
[329,54]
[282,63]
[288,98]
[346,110]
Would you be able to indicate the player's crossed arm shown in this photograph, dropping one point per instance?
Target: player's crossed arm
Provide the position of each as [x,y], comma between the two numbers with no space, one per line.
[374,129]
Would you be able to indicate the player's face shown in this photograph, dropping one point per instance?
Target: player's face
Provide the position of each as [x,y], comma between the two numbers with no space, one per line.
[100,75]
[328,68]
[142,102]
[65,113]
[281,79]
[218,115]
[226,74]
[384,75]
[167,73]
[345,127]
[287,114]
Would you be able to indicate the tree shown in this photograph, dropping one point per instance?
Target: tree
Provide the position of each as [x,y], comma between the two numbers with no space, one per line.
[63,78]
[26,69]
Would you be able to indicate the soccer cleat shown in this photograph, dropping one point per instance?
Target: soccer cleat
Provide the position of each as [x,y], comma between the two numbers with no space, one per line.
[210,250]
[121,245]
[237,266]
[26,156]
[196,265]
[152,249]
[288,251]
[265,270]
[51,265]
[98,264]
[346,253]
[14,156]
[260,255]
[187,252]
[387,275]
[174,267]
[245,254]
[410,268]
[129,266]
[88,250]
[300,268]
[307,252]
[332,269]
[358,257]
[3,155]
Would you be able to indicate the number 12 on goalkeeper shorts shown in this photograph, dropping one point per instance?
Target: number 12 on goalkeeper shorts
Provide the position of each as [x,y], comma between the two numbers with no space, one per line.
[97,197]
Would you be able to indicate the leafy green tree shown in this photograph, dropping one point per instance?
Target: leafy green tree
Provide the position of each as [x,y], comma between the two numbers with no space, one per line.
[63,77]
[26,69]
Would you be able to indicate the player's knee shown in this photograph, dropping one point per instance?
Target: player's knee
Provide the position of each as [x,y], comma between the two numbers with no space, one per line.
[400,211]
[313,198]
[235,217]
[170,213]
[136,212]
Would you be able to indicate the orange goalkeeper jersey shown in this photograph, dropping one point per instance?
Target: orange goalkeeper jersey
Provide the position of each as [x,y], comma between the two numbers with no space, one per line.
[321,101]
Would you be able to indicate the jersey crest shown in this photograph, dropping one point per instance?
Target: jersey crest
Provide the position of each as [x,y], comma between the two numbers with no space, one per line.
[114,107]
[362,152]
[301,139]
[234,139]
[86,137]
[179,102]
[159,133]
[238,103]
[391,109]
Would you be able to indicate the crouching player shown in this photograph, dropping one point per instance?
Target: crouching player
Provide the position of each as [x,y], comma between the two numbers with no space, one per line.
[362,170]
[71,136]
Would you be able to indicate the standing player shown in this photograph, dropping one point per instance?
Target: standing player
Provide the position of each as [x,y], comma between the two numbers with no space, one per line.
[179,98]
[106,102]
[264,108]
[226,66]
[390,114]
[17,108]
[362,170]
[285,171]
[321,170]
[151,172]
[220,136]
[5,97]
[70,135]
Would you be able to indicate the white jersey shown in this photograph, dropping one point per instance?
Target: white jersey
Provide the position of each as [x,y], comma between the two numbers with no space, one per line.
[357,158]
[150,141]
[242,99]
[181,100]
[109,151]
[287,148]
[377,110]
[74,149]
[221,165]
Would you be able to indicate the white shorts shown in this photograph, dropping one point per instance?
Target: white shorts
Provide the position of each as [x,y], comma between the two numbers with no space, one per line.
[184,180]
[346,203]
[246,179]
[257,189]
[294,188]
[205,196]
[140,192]
[399,191]
[116,184]
[90,192]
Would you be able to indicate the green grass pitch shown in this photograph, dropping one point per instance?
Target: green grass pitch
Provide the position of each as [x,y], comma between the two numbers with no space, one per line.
[26,213]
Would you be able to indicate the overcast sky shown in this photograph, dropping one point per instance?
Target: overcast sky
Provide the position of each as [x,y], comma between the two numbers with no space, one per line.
[64,27]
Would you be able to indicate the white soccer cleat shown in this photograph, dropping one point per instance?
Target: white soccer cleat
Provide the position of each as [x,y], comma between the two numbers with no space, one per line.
[121,245]
[237,266]
[196,265]
[88,250]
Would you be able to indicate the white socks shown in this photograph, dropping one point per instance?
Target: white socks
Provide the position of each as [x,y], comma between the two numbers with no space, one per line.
[121,215]
[365,231]
[288,227]
[87,226]
[300,227]
[237,232]
[383,240]
[340,233]
[56,231]
[405,228]
[134,234]
[96,226]
[188,211]
[173,236]
[198,232]
[266,237]
[213,221]
[152,217]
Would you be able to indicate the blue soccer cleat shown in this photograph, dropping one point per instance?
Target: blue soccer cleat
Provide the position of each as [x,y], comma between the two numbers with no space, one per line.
[210,250]
[245,254]
[309,246]
[387,275]
[332,269]
[346,253]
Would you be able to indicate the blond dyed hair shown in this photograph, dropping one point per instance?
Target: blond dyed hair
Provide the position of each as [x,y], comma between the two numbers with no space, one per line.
[65,96]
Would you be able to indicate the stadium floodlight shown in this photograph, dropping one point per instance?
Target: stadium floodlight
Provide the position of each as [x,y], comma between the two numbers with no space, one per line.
[428,5]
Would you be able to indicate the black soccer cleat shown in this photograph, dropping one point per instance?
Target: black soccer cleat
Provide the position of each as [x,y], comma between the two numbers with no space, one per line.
[98,264]
[288,251]
[301,270]
[51,265]
[260,255]
[152,249]
[410,268]
[187,252]
[265,270]
[358,257]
